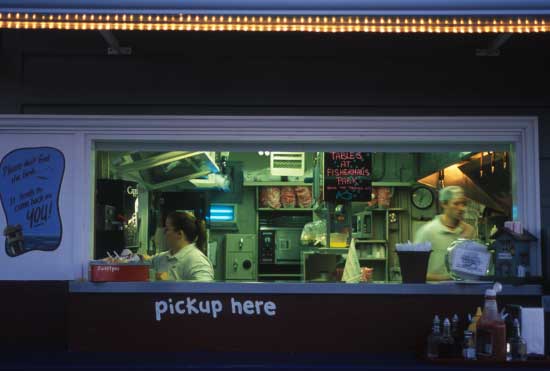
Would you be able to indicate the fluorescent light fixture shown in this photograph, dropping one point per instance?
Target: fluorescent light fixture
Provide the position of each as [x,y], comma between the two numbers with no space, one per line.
[223,213]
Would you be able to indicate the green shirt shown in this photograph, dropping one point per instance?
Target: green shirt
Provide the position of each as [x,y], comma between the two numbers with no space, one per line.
[441,238]
[188,264]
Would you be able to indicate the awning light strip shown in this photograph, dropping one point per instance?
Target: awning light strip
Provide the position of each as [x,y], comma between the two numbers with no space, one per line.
[325,24]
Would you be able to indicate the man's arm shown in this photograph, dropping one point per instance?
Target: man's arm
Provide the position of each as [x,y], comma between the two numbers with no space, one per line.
[469,231]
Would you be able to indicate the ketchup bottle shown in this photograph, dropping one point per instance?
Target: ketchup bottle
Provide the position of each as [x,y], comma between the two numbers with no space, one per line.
[491,331]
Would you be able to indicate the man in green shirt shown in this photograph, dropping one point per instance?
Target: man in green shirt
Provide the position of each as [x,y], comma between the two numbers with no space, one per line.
[443,230]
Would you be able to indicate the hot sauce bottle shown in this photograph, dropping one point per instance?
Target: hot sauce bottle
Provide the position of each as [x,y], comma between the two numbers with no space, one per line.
[517,347]
[446,342]
[455,333]
[491,331]
[434,339]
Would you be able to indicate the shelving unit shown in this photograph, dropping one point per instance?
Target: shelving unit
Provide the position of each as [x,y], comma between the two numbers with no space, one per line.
[375,251]
[376,259]
[316,262]
[279,269]
[276,184]
[285,209]
[279,278]
[387,229]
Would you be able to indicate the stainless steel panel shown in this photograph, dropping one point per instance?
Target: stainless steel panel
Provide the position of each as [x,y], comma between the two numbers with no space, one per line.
[287,245]
[241,257]
[241,243]
[240,266]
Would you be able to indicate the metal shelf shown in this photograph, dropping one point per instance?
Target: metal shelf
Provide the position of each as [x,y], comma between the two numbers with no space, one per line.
[285,209]
[387,209]
[276,184]
[392,184]
[191,165]
[327,250]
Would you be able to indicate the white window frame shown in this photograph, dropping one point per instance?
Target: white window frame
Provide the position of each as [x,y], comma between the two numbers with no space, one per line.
[247,133]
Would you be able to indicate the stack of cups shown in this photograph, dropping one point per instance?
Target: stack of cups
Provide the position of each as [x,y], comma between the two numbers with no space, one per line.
[515,227]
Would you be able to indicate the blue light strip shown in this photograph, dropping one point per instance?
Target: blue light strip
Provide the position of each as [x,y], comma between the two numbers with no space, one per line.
[285,7]
[221,218]
[222,213]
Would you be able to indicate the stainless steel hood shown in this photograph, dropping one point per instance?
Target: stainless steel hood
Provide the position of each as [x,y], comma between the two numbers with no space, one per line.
[176,169]
[485,178]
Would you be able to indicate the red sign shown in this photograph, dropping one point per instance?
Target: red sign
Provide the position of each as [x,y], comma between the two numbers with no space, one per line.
[119,272]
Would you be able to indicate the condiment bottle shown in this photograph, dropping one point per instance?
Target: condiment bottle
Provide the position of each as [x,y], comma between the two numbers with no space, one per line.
[434,339]
[447,342]
[491,331]
[455,333]
[468,346]
[473,323]
[517,346]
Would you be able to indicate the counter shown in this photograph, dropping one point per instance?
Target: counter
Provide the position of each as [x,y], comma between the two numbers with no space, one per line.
[441,288]
[270,317]
[323,318]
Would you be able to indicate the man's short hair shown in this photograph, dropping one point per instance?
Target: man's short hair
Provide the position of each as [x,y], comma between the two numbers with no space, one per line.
[449,193]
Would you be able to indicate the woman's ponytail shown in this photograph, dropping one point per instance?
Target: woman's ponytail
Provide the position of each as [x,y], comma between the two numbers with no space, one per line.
[194,228]
[201,235]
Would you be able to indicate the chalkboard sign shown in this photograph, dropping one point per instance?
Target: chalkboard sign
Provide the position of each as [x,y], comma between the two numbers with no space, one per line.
[348,176]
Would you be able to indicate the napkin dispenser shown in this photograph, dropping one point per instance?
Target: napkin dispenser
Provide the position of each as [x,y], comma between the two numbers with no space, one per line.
[468,260]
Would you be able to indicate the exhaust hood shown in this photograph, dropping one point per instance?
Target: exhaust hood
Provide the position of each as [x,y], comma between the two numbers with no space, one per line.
[485,178]
[176,169]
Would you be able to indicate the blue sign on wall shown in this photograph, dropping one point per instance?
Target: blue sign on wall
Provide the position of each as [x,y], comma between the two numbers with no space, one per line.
[30,181]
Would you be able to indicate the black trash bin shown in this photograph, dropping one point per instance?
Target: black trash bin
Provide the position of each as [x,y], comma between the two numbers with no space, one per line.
[414,265]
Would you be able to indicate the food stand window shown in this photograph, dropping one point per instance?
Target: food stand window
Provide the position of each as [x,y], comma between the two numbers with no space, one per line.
[270,228]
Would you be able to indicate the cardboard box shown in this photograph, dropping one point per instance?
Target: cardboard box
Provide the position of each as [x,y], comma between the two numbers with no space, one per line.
[112,272]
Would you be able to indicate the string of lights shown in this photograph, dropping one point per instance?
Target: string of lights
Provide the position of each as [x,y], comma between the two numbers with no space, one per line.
[275,23]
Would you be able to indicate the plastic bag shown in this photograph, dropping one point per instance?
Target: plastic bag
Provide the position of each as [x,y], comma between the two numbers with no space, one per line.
[303,195]
[270,197]
[314,233]
[288,198]
[384,195]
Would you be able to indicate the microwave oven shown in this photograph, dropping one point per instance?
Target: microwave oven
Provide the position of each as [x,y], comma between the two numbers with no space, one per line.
[280,245]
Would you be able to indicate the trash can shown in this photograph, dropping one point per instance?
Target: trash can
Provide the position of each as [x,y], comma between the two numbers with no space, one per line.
[414,265]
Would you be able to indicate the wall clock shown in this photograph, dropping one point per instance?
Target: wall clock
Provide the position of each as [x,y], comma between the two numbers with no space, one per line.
[422,197]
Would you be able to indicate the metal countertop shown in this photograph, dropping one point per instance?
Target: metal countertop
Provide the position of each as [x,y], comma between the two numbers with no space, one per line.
[302,288]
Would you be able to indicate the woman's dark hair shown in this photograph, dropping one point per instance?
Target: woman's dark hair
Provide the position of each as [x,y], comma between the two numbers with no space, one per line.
[194,228]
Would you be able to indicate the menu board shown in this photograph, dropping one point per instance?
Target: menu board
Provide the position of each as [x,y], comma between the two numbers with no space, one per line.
[348,176]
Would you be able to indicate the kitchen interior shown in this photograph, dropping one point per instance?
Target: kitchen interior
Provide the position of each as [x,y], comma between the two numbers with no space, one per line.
[267,215]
